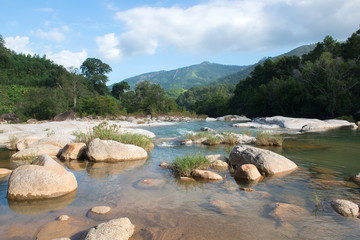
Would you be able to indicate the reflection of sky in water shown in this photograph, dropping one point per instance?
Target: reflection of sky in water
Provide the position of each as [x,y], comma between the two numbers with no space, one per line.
[326,159]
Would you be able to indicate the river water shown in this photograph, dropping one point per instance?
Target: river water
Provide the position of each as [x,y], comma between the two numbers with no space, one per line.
[171,209]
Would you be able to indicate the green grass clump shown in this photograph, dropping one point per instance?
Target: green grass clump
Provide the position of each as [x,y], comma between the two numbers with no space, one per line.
[104,131]
[195,136]
[13,141]
[265,139]
[213,140]
[229,138]
[183,166]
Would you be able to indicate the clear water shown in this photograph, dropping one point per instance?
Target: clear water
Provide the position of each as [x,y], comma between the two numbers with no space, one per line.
[172,209]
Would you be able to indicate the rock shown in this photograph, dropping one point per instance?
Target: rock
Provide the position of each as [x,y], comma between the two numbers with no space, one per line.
[187,179]
[73,151]
[63,218]
[165,165]
[8,116]
[215,157]
[44,179]
[68,115]
[356,178]
[25,143]
[4,172]
[32,121]
[121,229]
[284,212]
[244,139]
[101,210]
[233,118]
[112,151]
[223,207]
[35,151]
[247,172]
[219,165]
[267,162]
[151,182]
[210,119]
[331,183]
[205,174]
[207,129]
[345,208]
[56,140]
[199,140]
[139,131]
[186,142]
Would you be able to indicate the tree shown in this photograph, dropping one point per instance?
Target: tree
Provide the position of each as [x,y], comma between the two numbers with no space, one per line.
[119,88]
[94,70]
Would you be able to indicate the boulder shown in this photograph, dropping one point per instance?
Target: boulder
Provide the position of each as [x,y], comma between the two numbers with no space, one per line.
[267,162]
[101,210]
[8,116]
[247,172]
[345,208]
[25,143]
[45,178]
[284,212]
[68,115]
[34,151]
[4,172]
[215,157]
[139,131]
[205,174]
[112,151]
[63,218]
[57,140]
[219,165]
[116,229]
[244,139]
[73,151]
[165,165]
[210,119]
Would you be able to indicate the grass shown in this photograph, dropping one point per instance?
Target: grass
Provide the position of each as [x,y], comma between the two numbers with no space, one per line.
[229,138]
[12,141]
[319,205]
[213,140]
[183,166]
[265,139]
[195,136]
[104,131]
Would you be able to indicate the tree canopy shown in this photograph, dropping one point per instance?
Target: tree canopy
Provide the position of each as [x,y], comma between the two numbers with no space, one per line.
[95,71]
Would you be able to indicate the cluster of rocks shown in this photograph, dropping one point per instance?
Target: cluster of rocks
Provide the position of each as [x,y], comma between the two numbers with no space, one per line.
[229,118]
[296,124]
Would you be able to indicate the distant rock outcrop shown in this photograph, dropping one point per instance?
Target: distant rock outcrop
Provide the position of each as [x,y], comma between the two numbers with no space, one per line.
[68,115]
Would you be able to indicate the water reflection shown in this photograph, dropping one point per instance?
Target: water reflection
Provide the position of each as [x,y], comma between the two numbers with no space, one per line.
[103,169]
[35,207]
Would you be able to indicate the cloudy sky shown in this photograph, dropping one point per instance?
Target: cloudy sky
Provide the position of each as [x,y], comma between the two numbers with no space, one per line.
[140,36]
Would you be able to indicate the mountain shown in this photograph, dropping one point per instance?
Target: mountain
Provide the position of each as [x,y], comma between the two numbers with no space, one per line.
[245,72]
[186,77]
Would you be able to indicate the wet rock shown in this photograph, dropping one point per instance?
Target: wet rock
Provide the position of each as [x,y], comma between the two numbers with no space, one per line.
[112,151]
[151,183]
[101,210]
[345,208]
[63,218]
[44,179]
[104,169]
[187,179]
[165,165]
[223,207]
[73,151]
[120,228]
[4,172]
[219,165]
[284,212]
[207,129]
[56,230]
[205,174]
[215,157]
[186,142]
[247,172]
[267,162]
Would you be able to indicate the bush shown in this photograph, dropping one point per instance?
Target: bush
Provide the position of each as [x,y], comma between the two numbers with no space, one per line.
[265,139]
[183,166]
[104,131]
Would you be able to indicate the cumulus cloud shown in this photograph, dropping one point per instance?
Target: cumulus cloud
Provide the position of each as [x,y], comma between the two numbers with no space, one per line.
[229,25]
[18,44]
[54,34]
[68,58]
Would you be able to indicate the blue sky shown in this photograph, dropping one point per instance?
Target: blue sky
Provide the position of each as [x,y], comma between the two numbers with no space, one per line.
[136,37]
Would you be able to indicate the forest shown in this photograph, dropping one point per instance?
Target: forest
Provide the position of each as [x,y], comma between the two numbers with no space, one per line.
[322,84]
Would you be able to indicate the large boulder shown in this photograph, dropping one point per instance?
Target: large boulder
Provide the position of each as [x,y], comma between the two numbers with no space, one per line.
[25,143]
[68,115]
[73,151]
[112,151]
[45,178]
[345,207]
[267,162]
[138,131]
[116,229]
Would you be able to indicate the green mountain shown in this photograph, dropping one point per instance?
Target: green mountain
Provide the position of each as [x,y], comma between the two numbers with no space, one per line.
[186,77]
[245,72]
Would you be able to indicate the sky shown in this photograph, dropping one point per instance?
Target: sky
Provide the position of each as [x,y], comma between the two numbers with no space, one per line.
[139,36]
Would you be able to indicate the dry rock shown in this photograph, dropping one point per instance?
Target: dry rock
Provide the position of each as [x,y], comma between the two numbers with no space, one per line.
[116,229]
[63,218]
[101,210]
[247,172]
[4,172]
[73,151]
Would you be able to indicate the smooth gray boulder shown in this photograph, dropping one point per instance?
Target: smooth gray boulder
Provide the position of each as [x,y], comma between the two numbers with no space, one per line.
[45,178]
[116,229]
[267,162]
[112,151]
[345,208]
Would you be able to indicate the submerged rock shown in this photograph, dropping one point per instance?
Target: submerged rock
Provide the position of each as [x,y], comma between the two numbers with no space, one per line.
[207,129]
[101,210]
[345,208]
[112,151]
[267,162]
[44,179]
[284,212]
[223,207]
[121,229]
[205,174]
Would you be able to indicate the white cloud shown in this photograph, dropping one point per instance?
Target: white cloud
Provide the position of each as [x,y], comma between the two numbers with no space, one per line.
[54,34]
[68,58]
[19,44]
[229,25]
[47,10]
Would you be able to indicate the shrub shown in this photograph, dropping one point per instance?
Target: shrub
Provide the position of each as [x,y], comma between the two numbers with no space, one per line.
[265,139]
[183,166]
[104,131]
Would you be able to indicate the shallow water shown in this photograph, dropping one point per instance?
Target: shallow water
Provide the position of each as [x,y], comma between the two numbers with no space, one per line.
[176,210]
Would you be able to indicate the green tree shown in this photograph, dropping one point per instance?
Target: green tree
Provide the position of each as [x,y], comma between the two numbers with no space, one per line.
[118,89]
[95,71]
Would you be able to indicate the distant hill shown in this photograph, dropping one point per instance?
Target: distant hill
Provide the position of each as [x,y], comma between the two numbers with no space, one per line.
[245,72]
[186,77]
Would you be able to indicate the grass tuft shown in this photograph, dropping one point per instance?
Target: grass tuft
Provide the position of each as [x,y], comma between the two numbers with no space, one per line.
[183,166]
[229,138]
[265,139]
[13,141]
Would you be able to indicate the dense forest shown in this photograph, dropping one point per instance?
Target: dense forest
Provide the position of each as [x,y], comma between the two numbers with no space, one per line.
[325,83]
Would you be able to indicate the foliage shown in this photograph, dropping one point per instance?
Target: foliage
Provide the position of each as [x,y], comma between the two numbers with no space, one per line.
[13,141]
[265,139]
[105,131]
[229,138]
[195,136]
[183,166]
[99,105]
[118,89]
[175,93]
[94,70]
